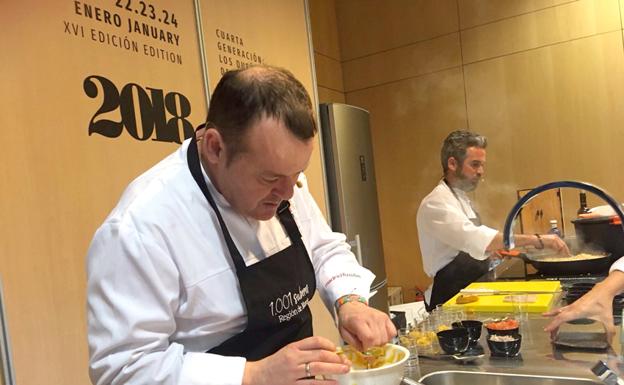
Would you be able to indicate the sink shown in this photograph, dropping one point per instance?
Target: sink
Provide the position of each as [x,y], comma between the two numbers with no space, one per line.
[456,377]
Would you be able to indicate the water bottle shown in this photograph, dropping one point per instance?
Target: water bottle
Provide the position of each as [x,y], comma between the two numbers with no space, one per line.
[554,229]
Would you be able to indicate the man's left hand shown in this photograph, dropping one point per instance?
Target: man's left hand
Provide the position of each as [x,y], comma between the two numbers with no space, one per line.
[363,327]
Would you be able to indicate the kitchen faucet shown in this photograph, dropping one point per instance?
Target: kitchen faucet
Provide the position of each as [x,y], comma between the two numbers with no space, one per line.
[508,235]
[508,238]
[605,374]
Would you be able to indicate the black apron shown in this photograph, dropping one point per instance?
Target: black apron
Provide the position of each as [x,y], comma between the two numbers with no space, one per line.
[276,290]
[459,273]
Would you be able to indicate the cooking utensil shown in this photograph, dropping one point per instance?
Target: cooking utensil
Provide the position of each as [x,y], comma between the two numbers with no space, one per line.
[467,357]
[498,304]
[458,357]
[548,264]
[603,232]
[482,292]
[582,340]
[545,264]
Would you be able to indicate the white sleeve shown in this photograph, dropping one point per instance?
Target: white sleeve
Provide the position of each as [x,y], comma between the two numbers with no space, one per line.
[617,265]
[451,226]
[133,294]
[336,268]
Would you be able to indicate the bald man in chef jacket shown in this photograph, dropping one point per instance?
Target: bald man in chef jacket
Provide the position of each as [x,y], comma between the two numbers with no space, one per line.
[203,273]
[454,244]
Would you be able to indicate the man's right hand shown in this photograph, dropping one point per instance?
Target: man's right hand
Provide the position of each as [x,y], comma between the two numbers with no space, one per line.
[554,242]
[288,365]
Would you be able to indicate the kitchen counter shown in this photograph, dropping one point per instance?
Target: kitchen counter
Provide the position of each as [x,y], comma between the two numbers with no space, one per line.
[538,356]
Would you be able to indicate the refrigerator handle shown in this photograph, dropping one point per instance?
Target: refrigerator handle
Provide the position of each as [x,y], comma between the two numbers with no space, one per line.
[358,248]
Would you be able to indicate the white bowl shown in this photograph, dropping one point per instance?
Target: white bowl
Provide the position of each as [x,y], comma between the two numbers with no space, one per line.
[388,374]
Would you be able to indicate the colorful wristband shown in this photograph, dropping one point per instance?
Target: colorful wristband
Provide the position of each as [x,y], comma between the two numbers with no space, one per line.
[350,298]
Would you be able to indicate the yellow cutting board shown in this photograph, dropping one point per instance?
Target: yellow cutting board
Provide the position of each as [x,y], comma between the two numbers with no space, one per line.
[495,303]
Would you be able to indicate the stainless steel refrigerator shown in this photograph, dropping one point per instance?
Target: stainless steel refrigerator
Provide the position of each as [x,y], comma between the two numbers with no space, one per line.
[352,189]
[7,377]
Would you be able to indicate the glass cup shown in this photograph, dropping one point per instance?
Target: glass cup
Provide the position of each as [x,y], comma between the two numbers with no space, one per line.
[457,315]
[441,318]
[471,313]
[407,340]
[519,305]
[424,336]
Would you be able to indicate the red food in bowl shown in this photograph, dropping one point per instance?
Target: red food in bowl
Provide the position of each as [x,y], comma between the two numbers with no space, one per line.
[504,327]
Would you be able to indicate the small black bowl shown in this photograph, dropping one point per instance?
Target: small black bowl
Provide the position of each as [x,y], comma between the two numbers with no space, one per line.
[454,341]
[474,329]
[505,348]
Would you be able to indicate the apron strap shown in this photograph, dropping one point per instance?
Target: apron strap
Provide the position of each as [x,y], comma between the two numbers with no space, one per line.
[288,221]
[192,157]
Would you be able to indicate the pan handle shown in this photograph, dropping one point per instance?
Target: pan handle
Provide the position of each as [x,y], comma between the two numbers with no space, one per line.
[514,254]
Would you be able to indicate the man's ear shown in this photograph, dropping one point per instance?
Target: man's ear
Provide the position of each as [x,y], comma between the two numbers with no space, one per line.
[213,148]
[452,164]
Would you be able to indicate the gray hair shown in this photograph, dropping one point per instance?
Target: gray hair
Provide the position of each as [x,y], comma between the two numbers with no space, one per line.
[456,144]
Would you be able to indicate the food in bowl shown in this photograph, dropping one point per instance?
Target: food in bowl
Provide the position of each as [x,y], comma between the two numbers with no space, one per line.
[375,357]
[505,324]
[504,346]
[390,371]
[423,338]
[498,338]
[443,327]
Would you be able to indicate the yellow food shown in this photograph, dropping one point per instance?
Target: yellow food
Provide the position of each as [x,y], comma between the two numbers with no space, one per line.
[373,358]
[422,338]
[423,341]
[577,257]
[443,327]
[466,299]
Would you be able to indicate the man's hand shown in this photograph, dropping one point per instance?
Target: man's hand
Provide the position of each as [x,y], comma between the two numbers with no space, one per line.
[554,242]
[288,365]
[596,304]
[363,327]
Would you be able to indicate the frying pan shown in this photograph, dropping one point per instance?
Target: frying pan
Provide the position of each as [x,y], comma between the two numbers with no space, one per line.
[545,265]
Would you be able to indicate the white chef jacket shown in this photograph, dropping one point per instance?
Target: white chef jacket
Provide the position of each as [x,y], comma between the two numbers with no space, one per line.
[162,288]
[445,229]
[617,265]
